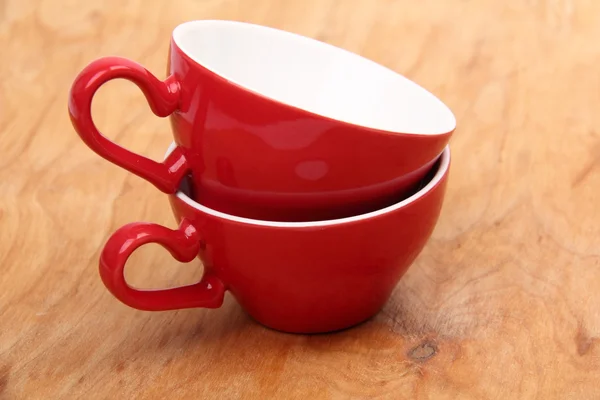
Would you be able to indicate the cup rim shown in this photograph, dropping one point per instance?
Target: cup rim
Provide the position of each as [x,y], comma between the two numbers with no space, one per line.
[177,32]
[442,170]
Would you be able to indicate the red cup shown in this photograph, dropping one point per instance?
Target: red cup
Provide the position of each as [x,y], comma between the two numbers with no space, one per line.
[273,125]
[302,277]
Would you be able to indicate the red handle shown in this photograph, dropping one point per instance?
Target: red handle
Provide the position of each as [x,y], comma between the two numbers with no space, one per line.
[183,244]
[163,97]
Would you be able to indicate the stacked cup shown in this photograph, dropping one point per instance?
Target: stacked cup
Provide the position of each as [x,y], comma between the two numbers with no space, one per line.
[306,178]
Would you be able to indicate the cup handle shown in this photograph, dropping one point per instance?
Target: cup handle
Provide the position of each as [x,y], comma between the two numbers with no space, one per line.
[163,98]
[183,244]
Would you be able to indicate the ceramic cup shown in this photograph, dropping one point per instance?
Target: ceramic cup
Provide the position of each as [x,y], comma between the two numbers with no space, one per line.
[302,277]
[273,125]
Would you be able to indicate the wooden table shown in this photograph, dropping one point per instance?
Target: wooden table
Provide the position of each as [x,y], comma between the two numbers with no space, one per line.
[504,301]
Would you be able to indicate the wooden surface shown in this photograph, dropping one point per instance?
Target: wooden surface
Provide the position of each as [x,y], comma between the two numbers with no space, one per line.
[502,303]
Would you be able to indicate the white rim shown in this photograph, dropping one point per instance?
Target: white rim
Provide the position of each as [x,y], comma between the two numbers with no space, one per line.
[313,76]
[441,171]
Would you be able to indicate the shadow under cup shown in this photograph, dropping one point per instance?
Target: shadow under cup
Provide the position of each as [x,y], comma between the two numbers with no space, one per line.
[300,277]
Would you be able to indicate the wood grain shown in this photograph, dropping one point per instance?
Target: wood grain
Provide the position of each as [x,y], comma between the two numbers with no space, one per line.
[502,303]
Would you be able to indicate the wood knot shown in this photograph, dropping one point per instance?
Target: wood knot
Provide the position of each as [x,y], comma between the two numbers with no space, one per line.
[423,352]
[583,341]
[120,367]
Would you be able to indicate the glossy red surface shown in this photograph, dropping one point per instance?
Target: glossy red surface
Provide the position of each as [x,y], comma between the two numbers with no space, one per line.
[302,278]
[253,156]
[183,244]
[163,97]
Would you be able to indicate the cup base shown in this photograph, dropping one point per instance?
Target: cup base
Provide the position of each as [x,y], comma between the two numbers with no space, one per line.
[304,329]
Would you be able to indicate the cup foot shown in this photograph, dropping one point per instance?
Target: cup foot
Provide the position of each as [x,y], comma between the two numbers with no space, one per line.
[313,328]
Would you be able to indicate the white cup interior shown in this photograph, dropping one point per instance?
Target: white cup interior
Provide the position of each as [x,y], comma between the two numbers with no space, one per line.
[314,76]
[442,168]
